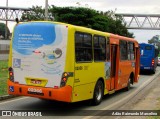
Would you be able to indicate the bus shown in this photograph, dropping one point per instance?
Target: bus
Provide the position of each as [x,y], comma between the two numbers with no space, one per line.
[149,57]
[64,62]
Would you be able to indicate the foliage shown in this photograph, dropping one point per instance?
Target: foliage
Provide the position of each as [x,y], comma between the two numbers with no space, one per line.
[3,77]
[103,21]
[3,29]
[155,40]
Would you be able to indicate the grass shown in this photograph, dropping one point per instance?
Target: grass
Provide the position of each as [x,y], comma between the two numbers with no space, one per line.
[3,77]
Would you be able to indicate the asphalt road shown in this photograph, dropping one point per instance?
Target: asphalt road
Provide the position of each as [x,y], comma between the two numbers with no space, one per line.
[80,109]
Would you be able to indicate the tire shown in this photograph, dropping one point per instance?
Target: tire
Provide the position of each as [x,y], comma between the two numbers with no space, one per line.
[129,84]
[98,93]
[153,71]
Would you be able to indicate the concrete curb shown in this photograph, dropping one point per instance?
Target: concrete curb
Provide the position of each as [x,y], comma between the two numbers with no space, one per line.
[6,97]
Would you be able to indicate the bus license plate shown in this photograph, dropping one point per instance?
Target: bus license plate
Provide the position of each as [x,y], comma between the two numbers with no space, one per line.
[33,81]
[146,67]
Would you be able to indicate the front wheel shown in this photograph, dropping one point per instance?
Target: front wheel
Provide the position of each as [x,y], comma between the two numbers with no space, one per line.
[98,93]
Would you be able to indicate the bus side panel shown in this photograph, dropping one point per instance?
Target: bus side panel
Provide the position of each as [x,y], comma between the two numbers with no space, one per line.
[85,79]
[83,92]
[125,70]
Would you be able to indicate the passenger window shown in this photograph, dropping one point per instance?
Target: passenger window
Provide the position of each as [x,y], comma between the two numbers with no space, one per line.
[131,55]
[83,47]
[123,50]
[99,48]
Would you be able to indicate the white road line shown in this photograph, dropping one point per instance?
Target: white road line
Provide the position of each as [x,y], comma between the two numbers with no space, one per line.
[127,97]
[13,100]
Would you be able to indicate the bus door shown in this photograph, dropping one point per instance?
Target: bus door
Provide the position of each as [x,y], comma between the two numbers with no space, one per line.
[113,66]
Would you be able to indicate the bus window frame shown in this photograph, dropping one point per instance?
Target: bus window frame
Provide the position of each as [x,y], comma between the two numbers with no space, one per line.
[108,50]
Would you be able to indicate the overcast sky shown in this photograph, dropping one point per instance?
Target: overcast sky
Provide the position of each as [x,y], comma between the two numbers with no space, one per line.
[119,6]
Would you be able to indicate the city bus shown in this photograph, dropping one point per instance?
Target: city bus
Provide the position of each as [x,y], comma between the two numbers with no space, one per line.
[149,57]
[64,62]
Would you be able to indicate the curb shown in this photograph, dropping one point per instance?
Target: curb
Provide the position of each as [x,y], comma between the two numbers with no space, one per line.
[6,97]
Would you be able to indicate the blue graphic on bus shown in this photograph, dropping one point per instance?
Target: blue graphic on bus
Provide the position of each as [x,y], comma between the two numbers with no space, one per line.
[30,36]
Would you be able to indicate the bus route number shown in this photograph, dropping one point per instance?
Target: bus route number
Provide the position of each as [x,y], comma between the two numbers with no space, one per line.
[79,68]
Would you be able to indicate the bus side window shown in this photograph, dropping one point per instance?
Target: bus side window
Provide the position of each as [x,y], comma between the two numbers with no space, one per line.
[83,47]
[131,53]
[99,48]
[123,50]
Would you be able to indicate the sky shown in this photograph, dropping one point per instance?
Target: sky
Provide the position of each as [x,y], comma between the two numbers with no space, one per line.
[118,6]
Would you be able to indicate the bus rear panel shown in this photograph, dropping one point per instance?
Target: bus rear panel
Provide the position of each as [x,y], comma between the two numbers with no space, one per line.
[38,58]
[148,58]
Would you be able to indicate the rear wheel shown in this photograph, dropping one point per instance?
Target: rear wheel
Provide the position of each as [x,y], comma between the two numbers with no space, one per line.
[98,93]
[153,71]
[129,84]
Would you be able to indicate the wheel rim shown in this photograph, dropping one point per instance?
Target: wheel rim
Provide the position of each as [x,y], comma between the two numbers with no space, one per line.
[99,92]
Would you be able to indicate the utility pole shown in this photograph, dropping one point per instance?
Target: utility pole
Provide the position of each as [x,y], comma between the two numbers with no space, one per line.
[6,30]
[46,10]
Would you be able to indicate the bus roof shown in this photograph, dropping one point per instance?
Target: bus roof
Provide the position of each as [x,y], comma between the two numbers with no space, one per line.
[89,30]
[147,44]
[80,28]
[118,37]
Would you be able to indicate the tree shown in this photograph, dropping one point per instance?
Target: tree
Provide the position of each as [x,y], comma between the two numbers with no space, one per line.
[103,21]
[3,30]
[155,40]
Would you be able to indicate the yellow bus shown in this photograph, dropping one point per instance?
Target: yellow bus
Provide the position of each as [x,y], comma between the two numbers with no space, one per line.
[63,62]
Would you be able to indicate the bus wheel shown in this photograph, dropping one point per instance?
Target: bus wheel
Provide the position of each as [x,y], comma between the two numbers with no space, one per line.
[153,71]
[129,84]
[98,93]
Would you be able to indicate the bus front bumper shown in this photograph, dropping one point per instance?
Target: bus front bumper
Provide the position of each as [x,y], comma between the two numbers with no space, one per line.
[60,94]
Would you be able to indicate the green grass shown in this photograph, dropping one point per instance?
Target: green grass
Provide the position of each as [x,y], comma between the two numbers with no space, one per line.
[3,77]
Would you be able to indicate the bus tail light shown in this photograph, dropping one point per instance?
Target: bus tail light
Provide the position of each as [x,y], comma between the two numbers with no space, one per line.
[152,62]
[64,78]
[11,74]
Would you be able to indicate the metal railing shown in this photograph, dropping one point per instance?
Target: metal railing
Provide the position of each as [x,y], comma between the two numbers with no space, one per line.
[141,21]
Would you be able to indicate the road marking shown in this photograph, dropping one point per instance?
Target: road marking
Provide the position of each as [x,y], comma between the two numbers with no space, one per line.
[13,100]
[127,97]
